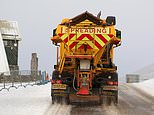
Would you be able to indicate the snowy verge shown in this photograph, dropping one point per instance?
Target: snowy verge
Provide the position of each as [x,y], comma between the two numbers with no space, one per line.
[32,100]
[146,86]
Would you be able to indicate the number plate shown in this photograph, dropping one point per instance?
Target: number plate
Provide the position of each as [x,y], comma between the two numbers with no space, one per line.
[110,87]
[59,86]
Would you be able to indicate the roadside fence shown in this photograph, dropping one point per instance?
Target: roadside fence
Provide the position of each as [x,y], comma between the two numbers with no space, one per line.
[23,78]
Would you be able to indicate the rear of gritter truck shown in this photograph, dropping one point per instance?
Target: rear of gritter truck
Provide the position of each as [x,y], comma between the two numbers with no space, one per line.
[84,71]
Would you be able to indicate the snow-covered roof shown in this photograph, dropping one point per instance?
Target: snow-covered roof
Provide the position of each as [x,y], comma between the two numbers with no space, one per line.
[9,30]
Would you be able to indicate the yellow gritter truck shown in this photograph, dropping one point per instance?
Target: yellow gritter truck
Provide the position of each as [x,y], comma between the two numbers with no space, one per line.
[85,71]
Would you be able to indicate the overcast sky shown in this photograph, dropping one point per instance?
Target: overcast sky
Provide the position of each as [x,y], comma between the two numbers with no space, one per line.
[37,18]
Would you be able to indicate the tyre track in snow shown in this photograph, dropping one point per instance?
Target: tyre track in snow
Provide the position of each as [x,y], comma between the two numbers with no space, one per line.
[58,109]
[86,110]
[131,102]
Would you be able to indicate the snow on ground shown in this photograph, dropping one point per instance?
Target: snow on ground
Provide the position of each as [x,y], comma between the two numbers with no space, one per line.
[147,86]
[36,100]
[32,100]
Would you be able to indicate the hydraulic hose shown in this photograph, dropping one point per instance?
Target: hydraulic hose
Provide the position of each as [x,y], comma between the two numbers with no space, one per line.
[74,82]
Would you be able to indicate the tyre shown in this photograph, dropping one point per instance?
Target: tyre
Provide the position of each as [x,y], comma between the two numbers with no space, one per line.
[53,100]
[67,100]
[115,100]
[109,100]
[100,100]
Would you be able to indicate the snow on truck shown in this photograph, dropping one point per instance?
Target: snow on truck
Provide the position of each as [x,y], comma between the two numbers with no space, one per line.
[85,71]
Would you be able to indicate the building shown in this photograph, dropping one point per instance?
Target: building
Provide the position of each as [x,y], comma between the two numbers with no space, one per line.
[34,62]
[132,78]
[9,31]
[34,65]
[4,67]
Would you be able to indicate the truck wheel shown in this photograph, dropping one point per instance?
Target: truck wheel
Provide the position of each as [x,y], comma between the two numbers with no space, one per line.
[53,99]
[115,100]
[107,100]
[59,99]
[100,100]
[67,100]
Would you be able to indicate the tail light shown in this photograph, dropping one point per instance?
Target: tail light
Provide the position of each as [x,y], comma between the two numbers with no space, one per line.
[115,83]
[112,83]
[59,81]
[53,81]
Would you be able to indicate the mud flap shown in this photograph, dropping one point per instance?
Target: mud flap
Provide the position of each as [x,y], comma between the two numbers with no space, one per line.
[59,95]
[110,95]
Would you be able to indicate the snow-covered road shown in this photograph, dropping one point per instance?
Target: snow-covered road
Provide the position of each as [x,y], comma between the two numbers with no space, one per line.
[36,100]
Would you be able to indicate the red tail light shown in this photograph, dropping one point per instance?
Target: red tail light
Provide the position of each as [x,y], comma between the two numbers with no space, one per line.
[112,83]
[115,83]
[53,81]
[59,81]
